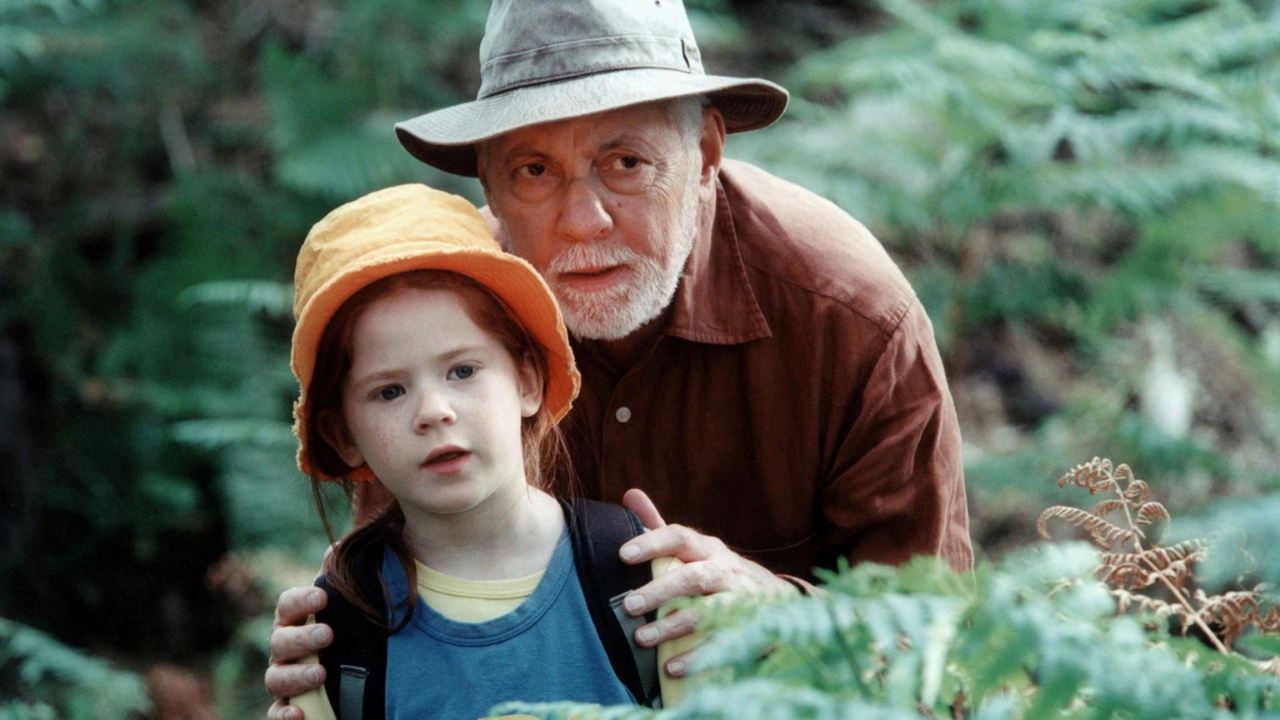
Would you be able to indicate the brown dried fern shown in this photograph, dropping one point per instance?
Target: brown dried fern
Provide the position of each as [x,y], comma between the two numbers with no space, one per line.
[1128,570]
[1103,532]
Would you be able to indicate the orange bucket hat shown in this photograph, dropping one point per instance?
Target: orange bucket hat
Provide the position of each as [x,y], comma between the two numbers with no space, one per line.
[414,227]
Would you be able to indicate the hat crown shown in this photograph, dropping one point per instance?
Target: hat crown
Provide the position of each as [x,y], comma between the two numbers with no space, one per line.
[401,217]
[529,42]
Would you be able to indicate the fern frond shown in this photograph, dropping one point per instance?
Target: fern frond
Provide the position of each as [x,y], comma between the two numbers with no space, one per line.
[919,76]
[1234,611]
[1137,493]
[1125,601]
[1104,534]
[1135,577]
[1087,475]
[833,621]
[1151,512]
[1106,507]
[1112,69]
[1211,40]
[1162,121]
[1239,285]
[1228,166]
[919,18]
[214,434]
[769,699]
[1137,189]
[36,659]
[1194,549]
[273,298]
[346,165]
[1187,551]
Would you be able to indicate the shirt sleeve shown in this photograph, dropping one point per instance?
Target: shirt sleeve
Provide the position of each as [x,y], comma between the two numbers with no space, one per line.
[897,484]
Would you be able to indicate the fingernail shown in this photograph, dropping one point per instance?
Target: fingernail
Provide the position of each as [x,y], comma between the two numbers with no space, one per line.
[312,674]
[320,635]
[676,668]
[313,599]
[634,603]
[647,636]
[630,552]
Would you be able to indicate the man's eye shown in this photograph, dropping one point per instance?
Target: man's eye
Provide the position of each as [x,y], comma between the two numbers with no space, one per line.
[462,372]
[532,170]
[390,392]
[627,162]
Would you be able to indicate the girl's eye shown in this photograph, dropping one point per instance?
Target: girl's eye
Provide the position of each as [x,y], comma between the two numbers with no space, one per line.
[462,372]
[390,392]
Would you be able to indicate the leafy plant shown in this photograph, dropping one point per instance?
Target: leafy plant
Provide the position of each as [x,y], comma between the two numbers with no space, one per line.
[1011,641]
[1133,560]
[1035,637]
[56,681]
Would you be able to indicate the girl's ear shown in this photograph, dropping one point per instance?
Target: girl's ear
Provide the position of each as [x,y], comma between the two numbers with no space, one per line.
[334,431]
[529,383]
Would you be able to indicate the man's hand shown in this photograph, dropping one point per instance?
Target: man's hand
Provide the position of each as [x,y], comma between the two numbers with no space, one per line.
[710,567]
[292,641]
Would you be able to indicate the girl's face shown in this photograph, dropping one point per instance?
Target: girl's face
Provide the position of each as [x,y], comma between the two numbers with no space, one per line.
[434,405]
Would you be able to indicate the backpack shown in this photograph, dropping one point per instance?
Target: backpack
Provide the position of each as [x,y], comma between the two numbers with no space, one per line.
[355,662]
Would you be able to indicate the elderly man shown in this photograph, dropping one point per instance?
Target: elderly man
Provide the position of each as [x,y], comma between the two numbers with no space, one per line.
[752,360]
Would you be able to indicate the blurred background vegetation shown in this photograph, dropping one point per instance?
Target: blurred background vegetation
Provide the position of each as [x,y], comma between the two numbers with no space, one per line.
[1085,193]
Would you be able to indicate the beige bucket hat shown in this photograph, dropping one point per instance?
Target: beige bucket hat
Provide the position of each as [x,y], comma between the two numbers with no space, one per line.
[548,60]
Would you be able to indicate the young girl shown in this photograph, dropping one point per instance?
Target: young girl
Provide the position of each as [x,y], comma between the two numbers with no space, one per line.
[438,365]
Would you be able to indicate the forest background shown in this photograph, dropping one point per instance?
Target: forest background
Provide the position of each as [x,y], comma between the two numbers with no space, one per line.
[1084,193]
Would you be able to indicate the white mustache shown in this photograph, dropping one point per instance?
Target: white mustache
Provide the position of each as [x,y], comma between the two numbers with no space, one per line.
[592,255]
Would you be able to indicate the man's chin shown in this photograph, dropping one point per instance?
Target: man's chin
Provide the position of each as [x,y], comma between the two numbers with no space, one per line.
[614,313]
[603,323]
[594,329]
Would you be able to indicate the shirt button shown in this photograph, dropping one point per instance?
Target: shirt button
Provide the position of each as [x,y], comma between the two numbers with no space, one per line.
[623,414]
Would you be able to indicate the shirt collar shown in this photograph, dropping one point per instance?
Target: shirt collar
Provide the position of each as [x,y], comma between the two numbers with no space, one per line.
[714,303]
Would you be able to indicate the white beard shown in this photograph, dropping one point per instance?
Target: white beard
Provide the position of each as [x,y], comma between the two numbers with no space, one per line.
[618,311]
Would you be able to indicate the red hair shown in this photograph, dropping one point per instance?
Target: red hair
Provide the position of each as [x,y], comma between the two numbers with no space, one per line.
[542,444]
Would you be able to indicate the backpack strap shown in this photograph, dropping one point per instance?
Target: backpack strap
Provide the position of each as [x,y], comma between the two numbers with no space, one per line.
[355,663]
[597,530]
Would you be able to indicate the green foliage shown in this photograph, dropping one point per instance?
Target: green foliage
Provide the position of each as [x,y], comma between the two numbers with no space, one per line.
[59,682]
[1251,541]
[1011,641]
[1056,178]
[1068,176]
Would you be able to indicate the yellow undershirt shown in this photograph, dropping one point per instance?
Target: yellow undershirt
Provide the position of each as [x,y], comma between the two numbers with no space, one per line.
[475,601]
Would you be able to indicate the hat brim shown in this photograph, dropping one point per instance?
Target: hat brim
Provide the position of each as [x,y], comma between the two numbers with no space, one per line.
[446,138]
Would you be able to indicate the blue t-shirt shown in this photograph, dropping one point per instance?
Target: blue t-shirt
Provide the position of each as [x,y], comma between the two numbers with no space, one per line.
[545,650]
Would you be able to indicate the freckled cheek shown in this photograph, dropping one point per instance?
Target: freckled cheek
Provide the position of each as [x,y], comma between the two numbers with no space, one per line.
[378,440]
[385,440]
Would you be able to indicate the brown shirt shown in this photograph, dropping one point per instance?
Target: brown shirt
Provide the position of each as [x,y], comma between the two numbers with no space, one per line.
[796,406]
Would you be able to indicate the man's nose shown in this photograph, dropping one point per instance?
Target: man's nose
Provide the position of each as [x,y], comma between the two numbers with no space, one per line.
[583,216]
[433,409]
